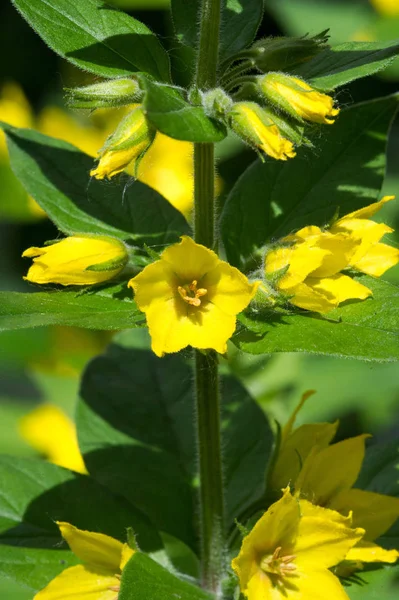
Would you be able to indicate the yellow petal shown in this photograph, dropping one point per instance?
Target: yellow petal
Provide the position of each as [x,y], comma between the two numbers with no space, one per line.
[305,296]
[53,434]
[366,232]
[303,234]
[376,513]
[156,283]
[80,583]
[369,552]
[295,449]
[190,260]
[67,262]
[127,553]
[276,528]
[367,211]
[339,288]
[324,537]
[304,260]
[173,325]
[341,249]
[288,427]
[228,288]
[378,259]
[342,462]
[260,588]
[317,585]
[97,550]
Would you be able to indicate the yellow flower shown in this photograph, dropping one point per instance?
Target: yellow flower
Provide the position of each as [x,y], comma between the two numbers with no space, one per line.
[15,110]
[168,168]
[390,8]
[311,270]
[49,431]
[129,142]
[298,98]
[325,474]
[257,127]
[371,257]
[191,297]
[289,552]
[98,578]
[77,260]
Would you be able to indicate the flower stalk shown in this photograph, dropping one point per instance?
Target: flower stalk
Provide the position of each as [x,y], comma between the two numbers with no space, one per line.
[206,364]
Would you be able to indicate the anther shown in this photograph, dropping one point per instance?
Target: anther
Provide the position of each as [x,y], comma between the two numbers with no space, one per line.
[191,294]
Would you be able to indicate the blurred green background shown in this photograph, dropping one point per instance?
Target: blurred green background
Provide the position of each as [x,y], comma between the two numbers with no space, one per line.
[43,365]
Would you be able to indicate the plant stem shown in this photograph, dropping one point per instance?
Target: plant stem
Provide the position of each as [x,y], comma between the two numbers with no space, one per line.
[206,363]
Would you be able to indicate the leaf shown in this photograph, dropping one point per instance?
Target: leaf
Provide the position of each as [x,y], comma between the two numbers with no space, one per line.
[102,309]
[143,578]
[136,431]
[33,496]
[239,23]
[344,172]
[97,37]
[341,64]
[374,583]
[367,330]
[56,175]
[172,115]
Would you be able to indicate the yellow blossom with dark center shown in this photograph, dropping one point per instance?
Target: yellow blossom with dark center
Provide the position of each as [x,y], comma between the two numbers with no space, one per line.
[98,578]
[290,551]
[191,297]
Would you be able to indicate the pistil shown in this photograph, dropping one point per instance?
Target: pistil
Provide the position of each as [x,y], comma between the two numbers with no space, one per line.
[191,294]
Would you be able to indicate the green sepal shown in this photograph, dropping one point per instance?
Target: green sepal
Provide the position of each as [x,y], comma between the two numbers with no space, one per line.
[111,93]
[109,265]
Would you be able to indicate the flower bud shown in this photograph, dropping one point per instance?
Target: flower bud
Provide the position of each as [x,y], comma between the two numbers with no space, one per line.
[116,92]
[297,98]
[217,103]
[284,53]
[258,128]
[77,260]
[130,141]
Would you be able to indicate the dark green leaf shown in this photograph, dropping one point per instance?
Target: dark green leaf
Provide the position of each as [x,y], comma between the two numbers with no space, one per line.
[103,309]
[97,37]
[239,24]
[170,113]
[136,415]
[366,330]
[341,64]
[34,494]
[144,579]
[56,175]
[344,172]
[375,582]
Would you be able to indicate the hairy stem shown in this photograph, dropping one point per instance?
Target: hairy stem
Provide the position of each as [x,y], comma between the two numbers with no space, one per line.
[206,363]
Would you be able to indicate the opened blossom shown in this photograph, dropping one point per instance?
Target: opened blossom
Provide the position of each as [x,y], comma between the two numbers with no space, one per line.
[290,551]
[191,298]
[98,577]
[326,474]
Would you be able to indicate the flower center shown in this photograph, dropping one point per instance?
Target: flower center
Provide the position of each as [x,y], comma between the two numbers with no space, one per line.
[276,564]
[191,294]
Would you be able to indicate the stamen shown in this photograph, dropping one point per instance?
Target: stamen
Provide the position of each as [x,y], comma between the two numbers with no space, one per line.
[191,294]
[275,564]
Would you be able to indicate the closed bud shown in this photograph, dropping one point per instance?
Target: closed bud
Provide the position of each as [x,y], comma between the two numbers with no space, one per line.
[116,92]
[129,142]
[77,260]
[297,98]
[284,53]
[217,103]
[258,128]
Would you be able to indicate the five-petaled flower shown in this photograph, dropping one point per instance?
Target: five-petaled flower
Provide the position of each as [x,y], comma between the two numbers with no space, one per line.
[98,578]
[77,260]
[289,552]
[325,474]
[191,297]
[298,98]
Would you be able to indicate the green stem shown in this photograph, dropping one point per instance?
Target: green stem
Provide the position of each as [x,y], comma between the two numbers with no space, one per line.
[206,363]
[239,69]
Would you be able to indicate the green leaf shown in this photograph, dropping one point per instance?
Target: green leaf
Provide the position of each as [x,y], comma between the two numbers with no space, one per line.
[102,309]
[341,64]
[374,583]
[172,115]
[344,172]
[97,37]
[143,578]
[34,495]
[240,22]
[366,330]
[136,431]
[56,175]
